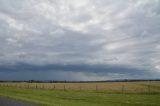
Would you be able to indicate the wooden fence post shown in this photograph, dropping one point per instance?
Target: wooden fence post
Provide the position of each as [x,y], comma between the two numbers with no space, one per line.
[28,85]
[149,89]
[36,86]
[123,88]
[96,88]
[80,88]
[64,87]
[42,86]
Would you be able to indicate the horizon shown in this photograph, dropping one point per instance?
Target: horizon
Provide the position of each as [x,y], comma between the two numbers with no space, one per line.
[73,81]
[86,40]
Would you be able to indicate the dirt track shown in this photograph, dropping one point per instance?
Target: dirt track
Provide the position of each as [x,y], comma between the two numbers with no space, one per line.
[10,102]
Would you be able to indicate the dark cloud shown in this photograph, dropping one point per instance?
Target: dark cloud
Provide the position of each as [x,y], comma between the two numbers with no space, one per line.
[98,70]
[72,67]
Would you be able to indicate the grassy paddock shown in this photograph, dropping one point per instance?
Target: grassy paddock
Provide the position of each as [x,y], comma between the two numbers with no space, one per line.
[79,98]
[110,87]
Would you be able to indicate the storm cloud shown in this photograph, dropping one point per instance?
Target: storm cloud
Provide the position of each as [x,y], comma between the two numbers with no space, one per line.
[79,40]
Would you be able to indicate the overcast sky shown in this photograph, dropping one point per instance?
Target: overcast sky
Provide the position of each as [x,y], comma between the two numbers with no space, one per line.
[79,39]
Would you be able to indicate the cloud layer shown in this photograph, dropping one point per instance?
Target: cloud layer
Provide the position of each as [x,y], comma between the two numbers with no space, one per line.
[79,40]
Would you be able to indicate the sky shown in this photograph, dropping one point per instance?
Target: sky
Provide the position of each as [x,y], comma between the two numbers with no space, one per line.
[79,39]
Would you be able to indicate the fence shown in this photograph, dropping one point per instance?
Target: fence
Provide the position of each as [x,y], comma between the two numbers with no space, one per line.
[98,87]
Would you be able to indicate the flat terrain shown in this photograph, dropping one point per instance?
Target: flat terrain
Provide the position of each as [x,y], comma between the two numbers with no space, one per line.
[45,95]
[10,102]
[110,87]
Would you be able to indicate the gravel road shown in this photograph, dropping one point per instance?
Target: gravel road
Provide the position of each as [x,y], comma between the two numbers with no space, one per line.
[10,102]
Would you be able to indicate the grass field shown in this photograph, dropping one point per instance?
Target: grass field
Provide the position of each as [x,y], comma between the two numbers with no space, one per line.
[45,95]
[110,87]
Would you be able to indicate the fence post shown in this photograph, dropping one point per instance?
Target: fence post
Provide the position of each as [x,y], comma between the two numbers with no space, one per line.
[64,87]
[149,89]
[80,88]
[96,88]
[25,85]
[122,88]
[36,86]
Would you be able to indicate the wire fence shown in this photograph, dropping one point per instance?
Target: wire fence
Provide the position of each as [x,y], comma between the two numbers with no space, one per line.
[98,87]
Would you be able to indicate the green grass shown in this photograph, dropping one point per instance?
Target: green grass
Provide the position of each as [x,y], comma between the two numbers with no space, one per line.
[79,98]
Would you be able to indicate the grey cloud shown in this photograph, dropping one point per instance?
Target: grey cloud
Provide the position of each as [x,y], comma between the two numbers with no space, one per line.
[73,67]
[118,34]
[97,70]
